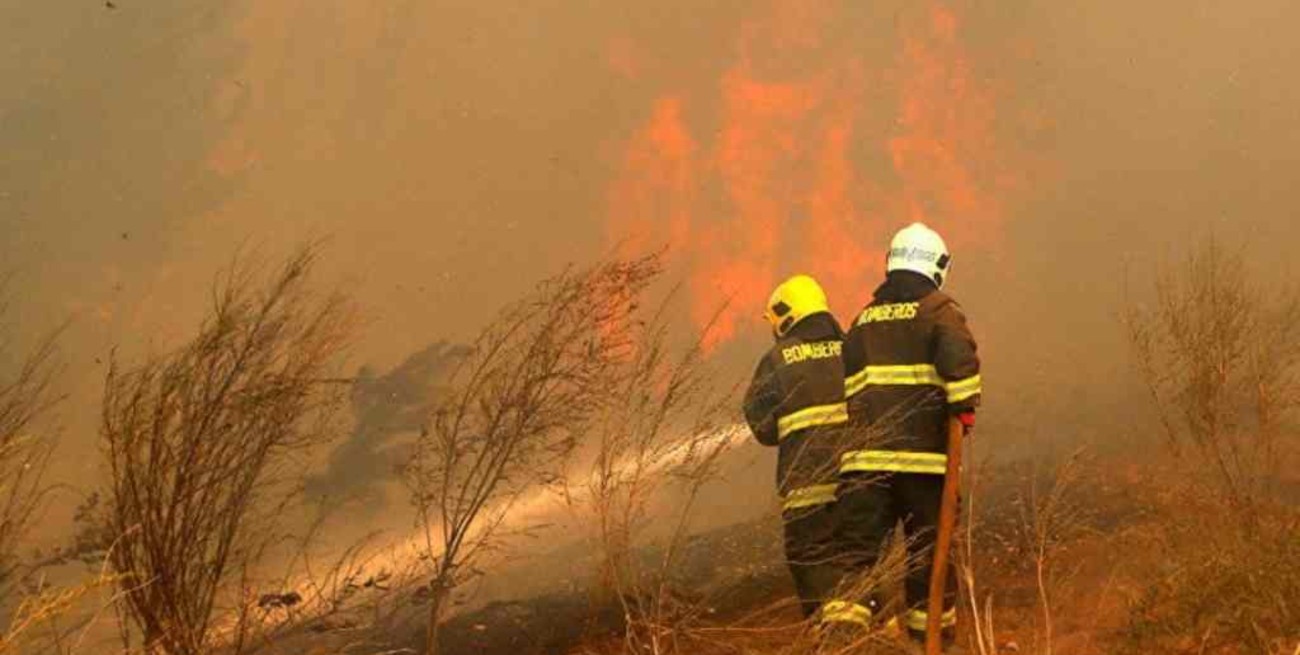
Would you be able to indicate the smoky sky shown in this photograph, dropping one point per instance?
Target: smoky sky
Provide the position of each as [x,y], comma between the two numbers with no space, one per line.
[451,153]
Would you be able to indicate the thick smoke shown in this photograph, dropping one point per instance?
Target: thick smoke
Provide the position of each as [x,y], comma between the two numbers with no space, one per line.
[453,153]
[385,407]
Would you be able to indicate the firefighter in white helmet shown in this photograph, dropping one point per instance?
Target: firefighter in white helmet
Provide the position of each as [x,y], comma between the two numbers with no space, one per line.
[796,403]
[910,363]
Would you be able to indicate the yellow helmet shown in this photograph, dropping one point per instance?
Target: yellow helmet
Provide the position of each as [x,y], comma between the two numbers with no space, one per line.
[794,300]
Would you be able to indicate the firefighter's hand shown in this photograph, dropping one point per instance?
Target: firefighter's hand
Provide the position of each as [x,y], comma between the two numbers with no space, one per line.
[967,419]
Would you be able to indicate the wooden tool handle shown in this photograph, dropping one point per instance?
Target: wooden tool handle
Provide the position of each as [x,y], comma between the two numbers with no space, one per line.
[943,540]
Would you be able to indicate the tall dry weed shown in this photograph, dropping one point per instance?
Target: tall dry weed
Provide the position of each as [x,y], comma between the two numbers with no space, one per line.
[511,415]
[26,445]
[657,440]
[199,445]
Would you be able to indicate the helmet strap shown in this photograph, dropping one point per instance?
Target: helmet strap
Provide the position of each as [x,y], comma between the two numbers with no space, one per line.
[784,327]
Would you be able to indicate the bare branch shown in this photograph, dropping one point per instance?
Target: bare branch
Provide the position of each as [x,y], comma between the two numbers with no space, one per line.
[198,444]
[518,404]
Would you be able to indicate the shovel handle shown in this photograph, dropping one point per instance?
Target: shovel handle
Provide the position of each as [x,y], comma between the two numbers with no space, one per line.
[943,540]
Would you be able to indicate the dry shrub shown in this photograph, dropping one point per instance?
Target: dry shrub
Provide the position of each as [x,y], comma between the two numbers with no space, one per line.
[512,413]
[1024,530]
[200,444]
[1053,513]
[657,439]
[1219,353]
[1218,588]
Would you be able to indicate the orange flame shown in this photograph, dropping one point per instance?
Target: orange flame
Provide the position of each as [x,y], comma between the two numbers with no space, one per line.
[801,174]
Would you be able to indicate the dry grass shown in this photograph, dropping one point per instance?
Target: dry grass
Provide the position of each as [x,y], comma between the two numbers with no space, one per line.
[1214,585]
[26,444]
[26,395]
[36,621]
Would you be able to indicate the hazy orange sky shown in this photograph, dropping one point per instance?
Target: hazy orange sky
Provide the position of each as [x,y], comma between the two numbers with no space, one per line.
[454,152]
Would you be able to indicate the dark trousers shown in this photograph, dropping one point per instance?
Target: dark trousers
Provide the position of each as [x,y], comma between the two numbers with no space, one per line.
[870,506]
[811,552]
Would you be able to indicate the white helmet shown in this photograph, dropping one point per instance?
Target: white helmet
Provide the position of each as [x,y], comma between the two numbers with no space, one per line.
[919,249]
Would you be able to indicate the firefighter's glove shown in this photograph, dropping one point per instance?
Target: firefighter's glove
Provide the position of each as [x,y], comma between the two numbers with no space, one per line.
[967,419]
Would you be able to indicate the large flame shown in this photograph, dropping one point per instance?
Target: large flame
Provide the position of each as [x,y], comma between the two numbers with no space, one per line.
[814,131]
[821,149]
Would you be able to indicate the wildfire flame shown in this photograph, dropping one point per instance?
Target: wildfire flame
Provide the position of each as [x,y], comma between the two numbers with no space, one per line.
[811,167]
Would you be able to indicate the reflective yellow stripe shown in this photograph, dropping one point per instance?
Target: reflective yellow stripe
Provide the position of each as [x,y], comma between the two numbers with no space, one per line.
[843,611]
[894,461]
[963,389]
[919,374]
[913,376]
[811,417]
[812,496]
[916,619]
[910,375]
[855,383]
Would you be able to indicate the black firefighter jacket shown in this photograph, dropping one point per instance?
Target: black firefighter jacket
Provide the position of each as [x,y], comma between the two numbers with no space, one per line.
[796,402]
[910,361]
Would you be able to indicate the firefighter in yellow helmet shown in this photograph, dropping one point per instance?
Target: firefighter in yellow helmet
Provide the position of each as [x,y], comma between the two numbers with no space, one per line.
[910,364]
[796,403]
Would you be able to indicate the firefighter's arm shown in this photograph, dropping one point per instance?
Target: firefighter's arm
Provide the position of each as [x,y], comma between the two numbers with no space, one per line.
[761,401]
[957,360]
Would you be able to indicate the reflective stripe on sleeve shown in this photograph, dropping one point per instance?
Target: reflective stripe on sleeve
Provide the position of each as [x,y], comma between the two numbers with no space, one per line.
[811,417]
[916,619]
[893,461]
[963,389]
[819,494]
[843,611]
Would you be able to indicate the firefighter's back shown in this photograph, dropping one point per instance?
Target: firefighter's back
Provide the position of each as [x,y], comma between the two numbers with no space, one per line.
[892,382]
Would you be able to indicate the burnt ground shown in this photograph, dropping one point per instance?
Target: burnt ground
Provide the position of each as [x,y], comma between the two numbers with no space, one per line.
[1103,561]
[736,567]
[722,571]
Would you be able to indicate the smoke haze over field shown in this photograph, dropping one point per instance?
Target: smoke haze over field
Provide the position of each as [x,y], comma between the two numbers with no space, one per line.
[454,152]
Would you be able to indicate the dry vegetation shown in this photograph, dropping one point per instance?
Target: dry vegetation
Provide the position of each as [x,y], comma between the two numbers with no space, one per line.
[26,397]
[1186,544]
[199,444]
[1220,355]
[518,405]
[661,428]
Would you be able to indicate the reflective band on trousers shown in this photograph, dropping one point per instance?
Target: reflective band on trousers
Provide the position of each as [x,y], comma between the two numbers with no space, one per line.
[843,611]
[919,375]
[815,416]
[893,461]
[916,619]
[819,494]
